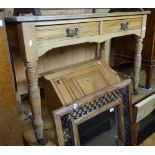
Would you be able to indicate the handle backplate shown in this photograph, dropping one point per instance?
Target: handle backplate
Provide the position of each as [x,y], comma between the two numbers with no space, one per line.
[72,32]
[124,26]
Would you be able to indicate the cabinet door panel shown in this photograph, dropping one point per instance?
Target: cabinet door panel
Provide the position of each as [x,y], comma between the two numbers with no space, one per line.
[10,130]
[87,81]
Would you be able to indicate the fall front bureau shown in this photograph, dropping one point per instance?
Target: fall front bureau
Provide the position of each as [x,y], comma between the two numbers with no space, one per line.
[81,93]
[39,34]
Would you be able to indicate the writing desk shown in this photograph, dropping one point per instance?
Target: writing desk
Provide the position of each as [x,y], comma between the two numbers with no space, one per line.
[36,35]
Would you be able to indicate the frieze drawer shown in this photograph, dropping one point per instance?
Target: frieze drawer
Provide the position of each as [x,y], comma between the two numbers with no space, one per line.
[66,32]
[144,108]
[121,25]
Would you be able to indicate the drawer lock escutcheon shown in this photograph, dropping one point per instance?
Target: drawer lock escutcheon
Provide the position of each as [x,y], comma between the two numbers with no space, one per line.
[72,32]
[124,26]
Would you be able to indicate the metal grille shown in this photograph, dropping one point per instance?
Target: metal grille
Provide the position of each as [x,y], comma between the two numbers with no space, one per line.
[127,121]
[94,105]
[67,130]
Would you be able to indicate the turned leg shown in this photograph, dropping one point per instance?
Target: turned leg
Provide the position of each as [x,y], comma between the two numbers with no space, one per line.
[149,71]
[137,64]
[35,100]
[98,51]
[107,51]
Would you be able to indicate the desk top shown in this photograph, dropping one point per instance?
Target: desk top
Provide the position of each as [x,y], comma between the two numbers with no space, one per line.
[19,19]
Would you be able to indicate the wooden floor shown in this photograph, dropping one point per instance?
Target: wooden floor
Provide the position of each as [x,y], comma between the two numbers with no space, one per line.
[49,131]
[28,133]
[142,92]
[150,141]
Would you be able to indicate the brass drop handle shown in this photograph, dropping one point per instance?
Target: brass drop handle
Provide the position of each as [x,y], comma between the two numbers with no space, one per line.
[72,32]
[124,26]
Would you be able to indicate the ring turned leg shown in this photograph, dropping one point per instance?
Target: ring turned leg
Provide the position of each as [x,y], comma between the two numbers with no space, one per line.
[107,51]
[35,101]
[137,64]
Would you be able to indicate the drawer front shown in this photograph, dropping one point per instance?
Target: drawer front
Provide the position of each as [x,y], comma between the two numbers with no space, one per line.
[121,25]
[67,31]
[144,108]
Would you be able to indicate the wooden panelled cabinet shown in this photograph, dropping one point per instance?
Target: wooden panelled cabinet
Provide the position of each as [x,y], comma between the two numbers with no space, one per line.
[124,48]
[10,130]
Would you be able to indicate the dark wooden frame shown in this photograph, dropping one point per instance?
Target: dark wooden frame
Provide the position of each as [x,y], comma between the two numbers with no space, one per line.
[10,130]
[67,122]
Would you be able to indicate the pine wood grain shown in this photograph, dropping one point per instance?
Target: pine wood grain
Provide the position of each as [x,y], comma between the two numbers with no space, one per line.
[115,26]
[58,32]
